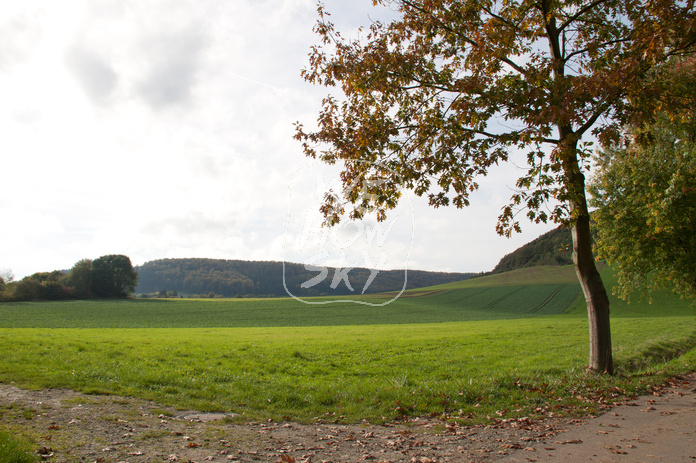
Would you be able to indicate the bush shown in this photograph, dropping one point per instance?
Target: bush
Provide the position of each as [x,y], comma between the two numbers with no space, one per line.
[28,290]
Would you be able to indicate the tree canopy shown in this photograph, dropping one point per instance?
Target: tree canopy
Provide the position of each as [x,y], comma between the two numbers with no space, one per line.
[444,93]
[80,279]
[645,194]
[113,276]
[435,98]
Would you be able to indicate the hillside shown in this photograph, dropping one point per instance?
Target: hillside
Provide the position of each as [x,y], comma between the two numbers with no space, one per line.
[541,274]
[552,248]
[241,278]
[231,278]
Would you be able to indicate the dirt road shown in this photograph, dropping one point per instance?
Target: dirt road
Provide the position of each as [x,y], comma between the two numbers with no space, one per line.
[68,427]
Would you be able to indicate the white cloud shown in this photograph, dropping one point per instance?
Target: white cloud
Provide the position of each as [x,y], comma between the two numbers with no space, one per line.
[19,36]
[96,76]
[164,129]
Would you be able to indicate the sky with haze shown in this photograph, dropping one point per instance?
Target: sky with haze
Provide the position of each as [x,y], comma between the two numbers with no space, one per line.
[165,129]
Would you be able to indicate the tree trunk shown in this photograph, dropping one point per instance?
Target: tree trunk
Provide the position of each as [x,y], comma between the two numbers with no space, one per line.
[592,286]
[585,268]
[595,296]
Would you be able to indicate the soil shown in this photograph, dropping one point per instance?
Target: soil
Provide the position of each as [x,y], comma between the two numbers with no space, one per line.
[67,426]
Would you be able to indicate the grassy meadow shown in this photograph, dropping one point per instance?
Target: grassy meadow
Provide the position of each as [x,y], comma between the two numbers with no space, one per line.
[500,346]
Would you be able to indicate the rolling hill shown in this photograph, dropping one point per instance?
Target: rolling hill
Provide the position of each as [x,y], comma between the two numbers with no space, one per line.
[235,278]
[551,248]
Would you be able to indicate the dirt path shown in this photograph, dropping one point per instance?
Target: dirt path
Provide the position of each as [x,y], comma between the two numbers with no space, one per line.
[657,428]
[72,427]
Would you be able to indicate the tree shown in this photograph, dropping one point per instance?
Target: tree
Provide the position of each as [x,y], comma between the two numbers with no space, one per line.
[3,287]
[645,194]
[6,277]
[79,279]
[113,276]
[435,98]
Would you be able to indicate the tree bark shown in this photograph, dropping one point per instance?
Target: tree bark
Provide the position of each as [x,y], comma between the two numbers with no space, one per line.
[596,298]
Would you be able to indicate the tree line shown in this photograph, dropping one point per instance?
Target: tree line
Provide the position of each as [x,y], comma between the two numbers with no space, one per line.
[109,276]
[241,278]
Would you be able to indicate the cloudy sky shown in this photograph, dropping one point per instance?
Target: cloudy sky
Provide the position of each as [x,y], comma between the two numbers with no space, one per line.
[164,129]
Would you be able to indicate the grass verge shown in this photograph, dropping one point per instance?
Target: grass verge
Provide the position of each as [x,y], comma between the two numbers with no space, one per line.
[13,450]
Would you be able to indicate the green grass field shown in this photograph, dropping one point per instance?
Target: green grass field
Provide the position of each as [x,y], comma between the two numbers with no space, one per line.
[467,351]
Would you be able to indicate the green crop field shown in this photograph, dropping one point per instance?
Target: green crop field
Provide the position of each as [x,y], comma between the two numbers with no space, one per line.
[525,276]
[467,351]
[462,304]
[520,295]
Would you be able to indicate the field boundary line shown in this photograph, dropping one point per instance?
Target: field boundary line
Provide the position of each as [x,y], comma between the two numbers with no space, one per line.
[495,302]
[549,298]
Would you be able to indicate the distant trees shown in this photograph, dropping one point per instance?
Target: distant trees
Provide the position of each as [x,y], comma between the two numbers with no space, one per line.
[39,286]
[80,279]
[198,276]
[5,278]
[111,276]
[231,278]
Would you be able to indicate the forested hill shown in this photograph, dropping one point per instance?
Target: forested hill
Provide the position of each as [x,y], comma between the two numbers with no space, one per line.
[232,278]
[552,248]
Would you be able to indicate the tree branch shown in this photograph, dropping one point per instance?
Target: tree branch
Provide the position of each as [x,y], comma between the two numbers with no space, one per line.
[590,122]
[605,44]
[580,13]
[467,39]
[501,19]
